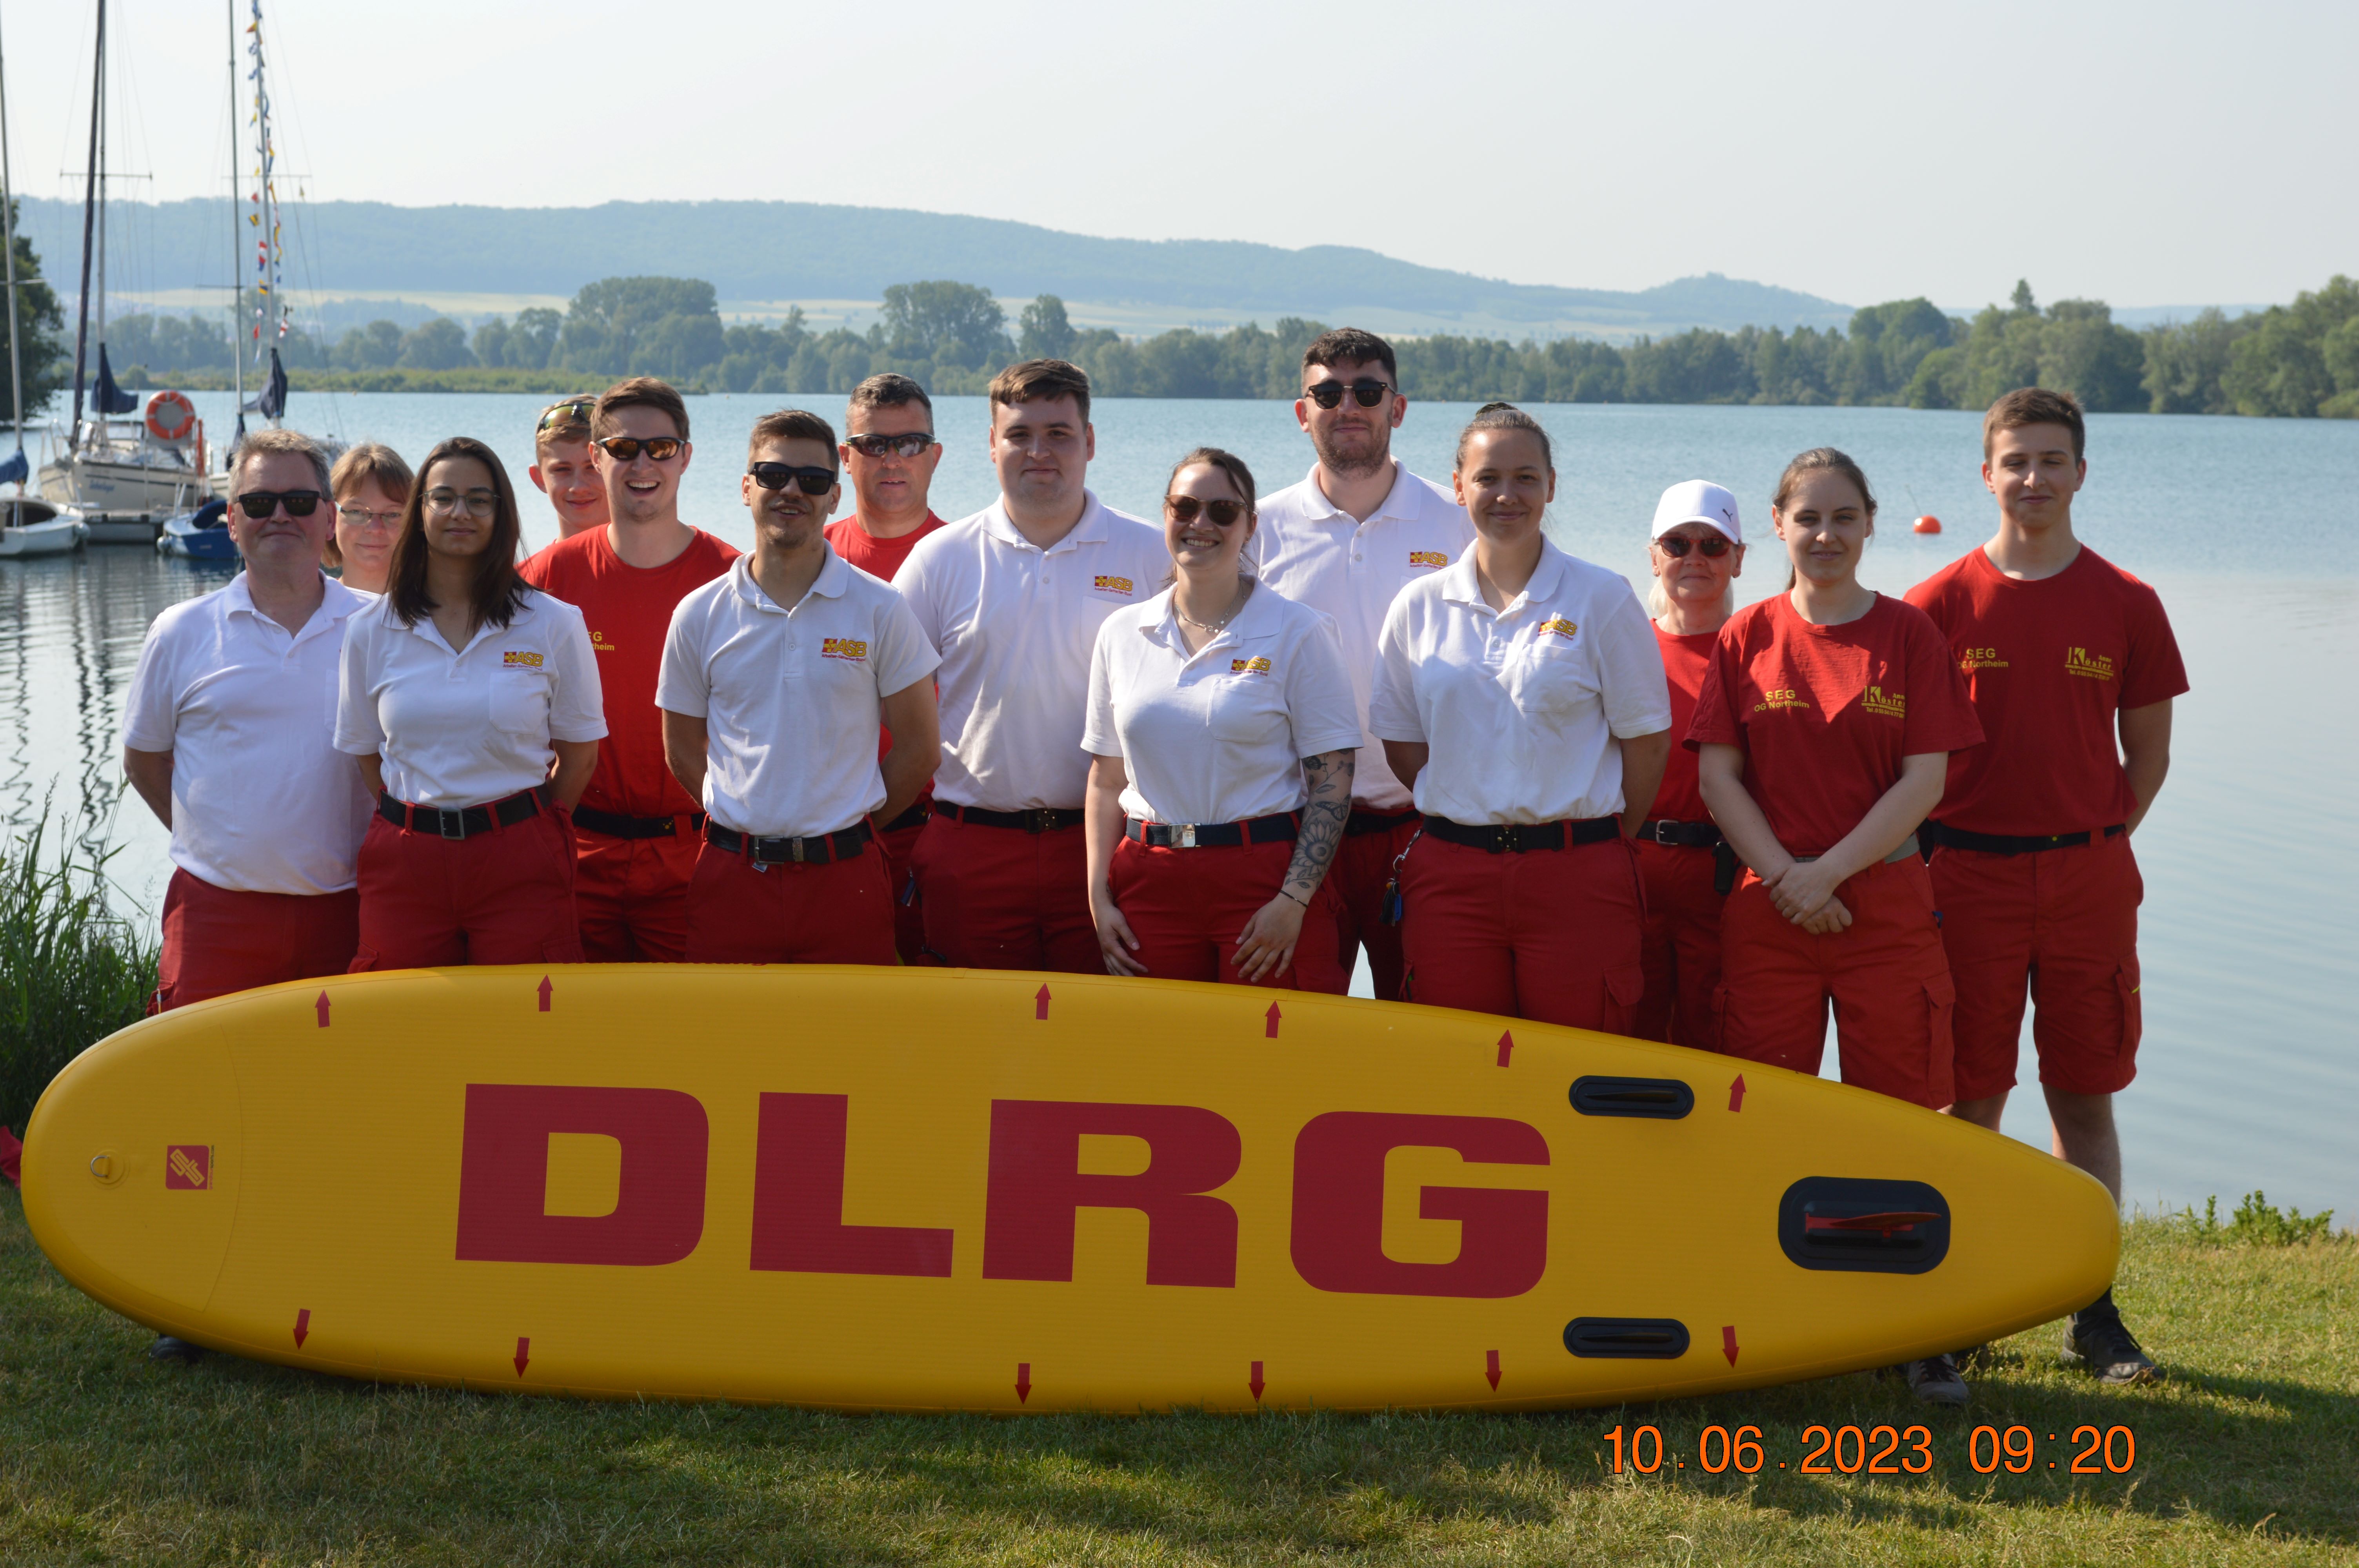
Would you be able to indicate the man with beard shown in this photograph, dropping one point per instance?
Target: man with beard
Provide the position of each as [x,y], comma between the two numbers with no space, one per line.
[1358,529]
[776,677]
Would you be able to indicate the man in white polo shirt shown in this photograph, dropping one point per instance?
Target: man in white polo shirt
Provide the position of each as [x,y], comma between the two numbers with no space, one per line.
[1013,597]
[229,735]
[1358,529]
[775,676]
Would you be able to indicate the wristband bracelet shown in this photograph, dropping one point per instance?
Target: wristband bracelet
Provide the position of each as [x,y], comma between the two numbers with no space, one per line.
[1303,901]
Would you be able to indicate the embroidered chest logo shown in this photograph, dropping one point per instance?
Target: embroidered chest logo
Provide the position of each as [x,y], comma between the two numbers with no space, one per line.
[187,1167]
[1428,558]
[516,660]
[2093,666]
[1249,666]
[1972,659]
[843,648]
[1557,626]
[1884,704]
[1121,585]
[1782,697]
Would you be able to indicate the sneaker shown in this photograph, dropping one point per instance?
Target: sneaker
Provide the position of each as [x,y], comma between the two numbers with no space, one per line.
[168,1348]
[2096,1338]
[1935,1381]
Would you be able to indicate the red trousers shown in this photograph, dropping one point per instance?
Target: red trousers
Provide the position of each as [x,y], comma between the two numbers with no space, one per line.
[1187,908]
[2059,926]
[1000,898]
[1884,975]
[743,912]
[1678,947]
[1550,935]
[631,896]
[217,940]
[501,897]
[901,886]
[1363,868]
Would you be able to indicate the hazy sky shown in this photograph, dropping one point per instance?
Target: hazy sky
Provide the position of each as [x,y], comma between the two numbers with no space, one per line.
[2147,154]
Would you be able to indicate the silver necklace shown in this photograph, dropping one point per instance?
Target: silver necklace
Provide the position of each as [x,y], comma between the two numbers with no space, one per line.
[1244,592]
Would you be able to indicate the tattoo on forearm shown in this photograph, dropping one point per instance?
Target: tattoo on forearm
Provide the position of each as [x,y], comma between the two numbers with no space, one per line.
[1328,774]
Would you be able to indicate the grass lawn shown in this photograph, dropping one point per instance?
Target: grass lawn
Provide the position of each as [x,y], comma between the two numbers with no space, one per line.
[2248,1454]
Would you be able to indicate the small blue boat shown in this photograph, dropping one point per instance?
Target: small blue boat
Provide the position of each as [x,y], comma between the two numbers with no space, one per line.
[200,536]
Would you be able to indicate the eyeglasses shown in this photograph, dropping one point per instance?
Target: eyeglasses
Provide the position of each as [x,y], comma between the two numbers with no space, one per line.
[361,517]
[624,449]
[260,503]
[777,476]
[1185,508]
[478,502]
[576,412]
[1367,394]
[908,445]
[1713,545]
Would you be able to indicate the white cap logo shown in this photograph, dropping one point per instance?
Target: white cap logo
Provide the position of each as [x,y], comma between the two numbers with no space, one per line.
[1697,501]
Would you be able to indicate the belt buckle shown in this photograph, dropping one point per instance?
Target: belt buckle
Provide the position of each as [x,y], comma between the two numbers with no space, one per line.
[1040,819]
[446,820]
[1186,838]
[670,825]
[1504,840]
[795,850]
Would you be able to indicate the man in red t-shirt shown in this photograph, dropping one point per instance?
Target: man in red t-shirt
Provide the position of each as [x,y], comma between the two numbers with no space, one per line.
[637,830]
[2062,651]
[889,452]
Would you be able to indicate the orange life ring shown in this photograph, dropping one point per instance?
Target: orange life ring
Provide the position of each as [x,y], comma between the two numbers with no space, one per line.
[170,416]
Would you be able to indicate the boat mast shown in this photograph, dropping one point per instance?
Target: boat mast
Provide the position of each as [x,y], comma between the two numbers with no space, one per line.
[269,257]
[89,208]
[237,269]
[8,237]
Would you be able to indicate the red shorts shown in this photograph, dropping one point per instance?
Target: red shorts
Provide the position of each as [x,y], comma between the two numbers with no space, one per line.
[901,885]
[1680,945]
[1363,869]
[631,896]
[217,940]
[1000,898]
[743,912]
[1548,935]
[1884,974]
[1188,906]
[2059,926]
[501,897]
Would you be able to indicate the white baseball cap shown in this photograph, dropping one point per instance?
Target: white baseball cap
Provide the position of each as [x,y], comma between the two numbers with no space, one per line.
[1697,501]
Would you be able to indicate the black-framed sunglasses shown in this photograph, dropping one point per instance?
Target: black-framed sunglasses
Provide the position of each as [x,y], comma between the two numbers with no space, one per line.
[575,412]
[1185,509]
[904,445]
[1713,545]
[1367,391]
[624,449]
[777,476]
[260,503]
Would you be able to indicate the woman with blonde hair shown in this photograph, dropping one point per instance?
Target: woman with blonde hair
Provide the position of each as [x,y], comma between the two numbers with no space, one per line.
[370,482]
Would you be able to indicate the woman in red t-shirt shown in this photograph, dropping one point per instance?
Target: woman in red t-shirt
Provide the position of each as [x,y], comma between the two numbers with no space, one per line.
[1698,552]
[1824,726]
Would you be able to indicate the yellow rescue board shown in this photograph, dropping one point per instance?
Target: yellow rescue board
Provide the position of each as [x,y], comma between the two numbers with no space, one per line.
[947,1190]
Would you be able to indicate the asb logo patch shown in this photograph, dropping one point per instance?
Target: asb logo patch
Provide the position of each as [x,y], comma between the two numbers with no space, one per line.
[1248,666]
[2094,667]
[1557,625]
[514,659]
[187,1167]
[843,648]
[1122,585]
[1428,558]
[1885,705]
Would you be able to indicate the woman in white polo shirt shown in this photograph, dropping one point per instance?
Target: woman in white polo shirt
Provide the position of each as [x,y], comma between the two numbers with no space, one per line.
[1519,693]
[471,701]
[1222,732]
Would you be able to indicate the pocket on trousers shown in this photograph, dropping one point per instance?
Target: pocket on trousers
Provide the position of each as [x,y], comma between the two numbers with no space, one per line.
[2127,982]
[1941,1004]
[364,960]
[1626,986]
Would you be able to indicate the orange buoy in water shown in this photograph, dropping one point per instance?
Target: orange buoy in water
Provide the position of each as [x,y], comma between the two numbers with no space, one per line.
[1929,525]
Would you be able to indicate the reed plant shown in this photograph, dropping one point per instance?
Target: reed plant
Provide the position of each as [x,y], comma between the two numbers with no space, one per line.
[73,971]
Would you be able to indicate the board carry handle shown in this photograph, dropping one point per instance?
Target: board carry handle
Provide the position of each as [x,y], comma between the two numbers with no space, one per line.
[1859,1225]
[1627,1338]
[1656,1099]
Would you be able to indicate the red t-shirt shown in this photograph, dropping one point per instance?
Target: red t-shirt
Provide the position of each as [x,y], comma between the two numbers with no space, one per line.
[878,557]
[629,610]
[1680,798]
[1824,714]
[2048,665]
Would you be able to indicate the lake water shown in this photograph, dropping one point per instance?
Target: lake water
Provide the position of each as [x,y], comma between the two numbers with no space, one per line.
[2251,936]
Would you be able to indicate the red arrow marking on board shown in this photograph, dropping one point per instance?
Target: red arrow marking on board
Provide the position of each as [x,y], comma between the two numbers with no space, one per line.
[1728,1343]
[1273,1015]
[1736,1093]
[1490,1369]
[1257,1385]
[323,1005]
[303,1326]
[523,1354]
[1040,1005]
[544,993]
[1023,1368]
[1507,1044]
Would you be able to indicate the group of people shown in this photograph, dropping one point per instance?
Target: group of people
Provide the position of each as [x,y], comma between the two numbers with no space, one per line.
[1365,714]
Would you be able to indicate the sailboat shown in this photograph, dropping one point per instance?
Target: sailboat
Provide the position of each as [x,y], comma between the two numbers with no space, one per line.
[125,468]
[28,527]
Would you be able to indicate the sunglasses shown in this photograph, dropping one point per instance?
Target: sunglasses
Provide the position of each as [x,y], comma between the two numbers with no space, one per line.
[908,445]
[1713,545]
[1185,508]
[777,476]
[1330,393]
[260,503]
[624,449]
[576,412]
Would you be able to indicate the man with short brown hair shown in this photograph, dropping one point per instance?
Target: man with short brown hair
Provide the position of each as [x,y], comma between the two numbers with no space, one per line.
[562,467]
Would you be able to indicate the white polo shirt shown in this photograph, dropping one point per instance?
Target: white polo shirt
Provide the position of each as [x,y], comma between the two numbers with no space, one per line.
[262,801]
[1016,626]
[463,729]
[1313,551]
[1519,705]
[1218,735]
[790,698]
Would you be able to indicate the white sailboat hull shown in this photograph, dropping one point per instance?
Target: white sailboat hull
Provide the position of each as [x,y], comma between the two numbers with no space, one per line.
[126,503]
[36,528]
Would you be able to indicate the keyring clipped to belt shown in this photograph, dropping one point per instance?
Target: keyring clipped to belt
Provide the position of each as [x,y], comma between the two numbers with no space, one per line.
[1389,913]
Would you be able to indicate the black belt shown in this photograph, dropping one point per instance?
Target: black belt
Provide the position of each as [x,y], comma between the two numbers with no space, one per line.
[1682,834]
[913,817]
[2008,844]
[466,821]
[814,851]
[1363,821]
[615,826]
[1274,829]
[1516,839]
[1040,819]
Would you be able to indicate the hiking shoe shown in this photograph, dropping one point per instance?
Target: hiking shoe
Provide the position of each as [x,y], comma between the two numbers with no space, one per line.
[2095,1338]
[168,1348]
[1935,1381]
